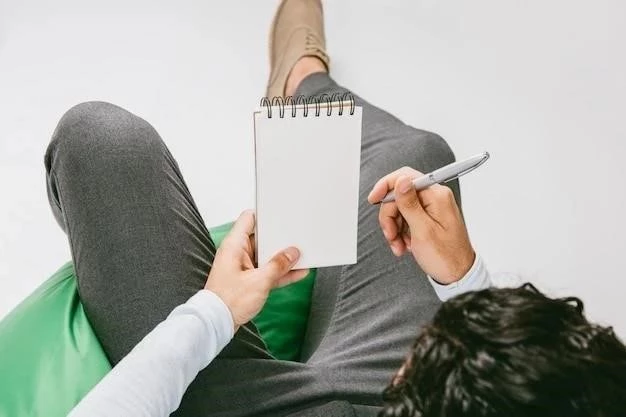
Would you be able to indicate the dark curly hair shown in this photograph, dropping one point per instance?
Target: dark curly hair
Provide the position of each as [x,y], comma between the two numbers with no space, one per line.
[511,352]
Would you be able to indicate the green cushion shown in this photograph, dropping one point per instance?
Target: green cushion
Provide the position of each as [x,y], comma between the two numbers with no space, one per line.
[50,357]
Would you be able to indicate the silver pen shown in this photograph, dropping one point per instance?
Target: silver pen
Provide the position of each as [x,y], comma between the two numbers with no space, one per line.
[444,174]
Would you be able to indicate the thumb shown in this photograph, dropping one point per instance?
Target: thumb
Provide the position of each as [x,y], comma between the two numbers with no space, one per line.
[279,266]
[409,204]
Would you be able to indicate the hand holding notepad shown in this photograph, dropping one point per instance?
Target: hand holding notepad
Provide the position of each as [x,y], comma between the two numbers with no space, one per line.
[307,179]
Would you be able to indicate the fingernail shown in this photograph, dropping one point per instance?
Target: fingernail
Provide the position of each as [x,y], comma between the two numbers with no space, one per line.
[404,185]
[292,254]
[386,233]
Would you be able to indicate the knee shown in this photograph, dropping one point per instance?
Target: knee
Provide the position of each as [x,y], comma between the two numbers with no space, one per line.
[88,111]
[101,121]
[421,150]
[95,130]
[434,149]
[89,116]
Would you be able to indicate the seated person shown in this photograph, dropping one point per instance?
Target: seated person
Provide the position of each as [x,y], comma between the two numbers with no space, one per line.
[184,344]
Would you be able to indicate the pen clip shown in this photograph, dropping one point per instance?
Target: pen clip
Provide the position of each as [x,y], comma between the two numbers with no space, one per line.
[469,169]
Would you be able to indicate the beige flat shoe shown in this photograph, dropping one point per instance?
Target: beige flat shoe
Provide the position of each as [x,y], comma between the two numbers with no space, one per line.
[297,31]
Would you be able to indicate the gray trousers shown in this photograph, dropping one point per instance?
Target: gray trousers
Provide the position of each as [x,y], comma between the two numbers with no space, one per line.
[140,248]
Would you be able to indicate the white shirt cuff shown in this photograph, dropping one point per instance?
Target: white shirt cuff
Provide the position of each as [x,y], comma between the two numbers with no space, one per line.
[477,278]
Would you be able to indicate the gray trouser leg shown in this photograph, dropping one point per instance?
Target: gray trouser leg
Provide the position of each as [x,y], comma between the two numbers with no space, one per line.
[139,245]
[140,248]
[364,317]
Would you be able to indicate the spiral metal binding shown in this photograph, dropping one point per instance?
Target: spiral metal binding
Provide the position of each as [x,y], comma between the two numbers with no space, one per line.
[281,103]
[326,97]
[278,101]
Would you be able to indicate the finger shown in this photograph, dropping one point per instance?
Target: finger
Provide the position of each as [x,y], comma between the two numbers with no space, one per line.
[409,203]
[398,245]
[253,247]
[279,265]
[239,234]
[292,277]
[247,263]
[244,225]
[387,183]
[437,194]
[407,242]
[387,218]
[406,235]
[439,202]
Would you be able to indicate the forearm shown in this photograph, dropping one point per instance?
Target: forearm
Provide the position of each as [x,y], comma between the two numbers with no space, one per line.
[151,380]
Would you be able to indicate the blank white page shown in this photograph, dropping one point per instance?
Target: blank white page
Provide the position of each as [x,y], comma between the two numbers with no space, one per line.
[307,184]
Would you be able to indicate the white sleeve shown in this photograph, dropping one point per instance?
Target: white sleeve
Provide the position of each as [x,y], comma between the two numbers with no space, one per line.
[151,380]
[477,278]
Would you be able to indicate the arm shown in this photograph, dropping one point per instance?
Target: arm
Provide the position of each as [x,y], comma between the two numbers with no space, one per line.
[429,224]
[151,380]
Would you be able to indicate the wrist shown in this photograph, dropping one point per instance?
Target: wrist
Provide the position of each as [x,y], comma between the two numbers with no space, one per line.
[458,268]
[212,289]
[477,278]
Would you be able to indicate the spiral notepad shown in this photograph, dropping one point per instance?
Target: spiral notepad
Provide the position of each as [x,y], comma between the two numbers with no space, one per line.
[307,155]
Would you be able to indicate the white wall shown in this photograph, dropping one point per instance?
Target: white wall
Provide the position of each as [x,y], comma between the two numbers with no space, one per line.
[539,84]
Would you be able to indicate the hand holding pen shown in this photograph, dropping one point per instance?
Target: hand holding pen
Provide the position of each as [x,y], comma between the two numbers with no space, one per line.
[427,222]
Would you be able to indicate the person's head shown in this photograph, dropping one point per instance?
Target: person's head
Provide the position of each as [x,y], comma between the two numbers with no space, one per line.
[511,352]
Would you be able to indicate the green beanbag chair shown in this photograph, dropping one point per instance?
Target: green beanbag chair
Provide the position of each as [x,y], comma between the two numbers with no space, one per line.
[50,357]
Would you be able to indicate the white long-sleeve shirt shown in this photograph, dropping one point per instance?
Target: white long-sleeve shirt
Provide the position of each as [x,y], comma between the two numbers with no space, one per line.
[151,380]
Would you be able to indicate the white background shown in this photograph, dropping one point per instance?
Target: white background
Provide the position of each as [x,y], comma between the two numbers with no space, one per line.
[540,84]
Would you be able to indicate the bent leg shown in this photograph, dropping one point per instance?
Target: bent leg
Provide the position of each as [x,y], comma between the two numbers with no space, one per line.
[140,248]
[138,242]
[364,317]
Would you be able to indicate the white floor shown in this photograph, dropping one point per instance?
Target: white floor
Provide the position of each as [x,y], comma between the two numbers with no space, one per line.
[539,84]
